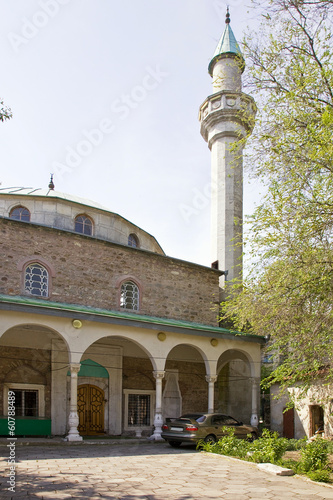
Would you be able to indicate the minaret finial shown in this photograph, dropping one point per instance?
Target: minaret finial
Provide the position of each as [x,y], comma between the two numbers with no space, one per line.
[227,17]
[51,184]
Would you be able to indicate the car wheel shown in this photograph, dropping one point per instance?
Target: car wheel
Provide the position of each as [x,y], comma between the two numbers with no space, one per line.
[210,439]
[175,444]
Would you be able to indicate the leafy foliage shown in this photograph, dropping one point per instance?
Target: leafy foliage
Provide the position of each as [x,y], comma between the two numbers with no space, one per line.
[288,293]
[315,456]
[228,445]
[323,476]
[296,444]
[5,112]
[270,448]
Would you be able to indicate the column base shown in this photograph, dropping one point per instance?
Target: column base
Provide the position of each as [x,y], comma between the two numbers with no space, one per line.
[74,437]
[73,422]
[158,422]
[155,437]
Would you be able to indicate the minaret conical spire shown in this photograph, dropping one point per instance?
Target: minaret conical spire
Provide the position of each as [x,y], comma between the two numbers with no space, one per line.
[227,45]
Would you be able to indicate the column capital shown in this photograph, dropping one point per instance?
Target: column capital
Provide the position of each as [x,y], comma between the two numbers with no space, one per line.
[159,374]
[211,378]
[74,367]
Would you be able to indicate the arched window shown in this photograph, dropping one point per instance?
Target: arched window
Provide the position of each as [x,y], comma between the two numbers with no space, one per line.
[133,241]
[83,225]
[20,213]
[36,280]
[129,296]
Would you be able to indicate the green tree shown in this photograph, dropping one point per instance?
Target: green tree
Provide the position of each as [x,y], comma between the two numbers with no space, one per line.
[5,112]
[288,293]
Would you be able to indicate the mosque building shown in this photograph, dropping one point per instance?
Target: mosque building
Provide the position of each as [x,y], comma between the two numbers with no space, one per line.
[101,333]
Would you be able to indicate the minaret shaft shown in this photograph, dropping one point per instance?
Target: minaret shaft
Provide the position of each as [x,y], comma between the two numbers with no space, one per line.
[226,118]
[227,206]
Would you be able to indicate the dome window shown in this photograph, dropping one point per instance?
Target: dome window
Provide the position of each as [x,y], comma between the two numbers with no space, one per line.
[83,225]
[20,213]
[133,241]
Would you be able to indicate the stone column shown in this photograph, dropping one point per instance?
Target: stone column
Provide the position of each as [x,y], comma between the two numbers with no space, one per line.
[73,419]
[211,381]
[158,419]
[254,412]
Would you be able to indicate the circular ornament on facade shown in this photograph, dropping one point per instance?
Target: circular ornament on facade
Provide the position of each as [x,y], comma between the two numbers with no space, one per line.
[77,323]
[214,342]
[231,102]
[161,336]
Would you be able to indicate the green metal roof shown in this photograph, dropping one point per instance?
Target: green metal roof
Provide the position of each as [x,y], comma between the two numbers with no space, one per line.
[227,45]
[90,368]
[122,318]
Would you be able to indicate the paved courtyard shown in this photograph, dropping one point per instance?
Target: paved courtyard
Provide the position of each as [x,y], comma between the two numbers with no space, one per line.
[143,470]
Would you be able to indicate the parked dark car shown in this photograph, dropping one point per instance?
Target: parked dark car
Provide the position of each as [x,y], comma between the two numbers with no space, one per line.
[192,427]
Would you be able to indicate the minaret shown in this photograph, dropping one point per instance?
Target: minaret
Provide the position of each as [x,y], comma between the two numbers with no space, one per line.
[227,116]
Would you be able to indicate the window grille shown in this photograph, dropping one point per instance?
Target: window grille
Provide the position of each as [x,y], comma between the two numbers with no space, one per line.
[133,241]
[129,296]
[36,281]
[26,403]
[83,225]
[20,213]
[138,409]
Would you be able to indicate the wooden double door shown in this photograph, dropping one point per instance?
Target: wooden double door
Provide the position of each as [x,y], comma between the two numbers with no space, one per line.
[90,406]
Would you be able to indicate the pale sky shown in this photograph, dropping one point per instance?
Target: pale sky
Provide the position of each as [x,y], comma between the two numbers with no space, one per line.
[105,95]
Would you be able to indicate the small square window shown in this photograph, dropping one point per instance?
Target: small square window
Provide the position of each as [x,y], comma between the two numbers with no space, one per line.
[138,410]
[26,402]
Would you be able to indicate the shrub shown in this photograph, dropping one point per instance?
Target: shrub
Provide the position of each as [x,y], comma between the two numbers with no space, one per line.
[315,455]
[271,448]
[323,476]
[330,447]
[268,448]
[227,445]
[296,444]
[291,464]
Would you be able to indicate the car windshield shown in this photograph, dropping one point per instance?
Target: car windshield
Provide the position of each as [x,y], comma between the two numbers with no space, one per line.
[195,416]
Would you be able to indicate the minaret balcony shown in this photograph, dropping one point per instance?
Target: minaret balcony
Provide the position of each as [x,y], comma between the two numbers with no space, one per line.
[227,111]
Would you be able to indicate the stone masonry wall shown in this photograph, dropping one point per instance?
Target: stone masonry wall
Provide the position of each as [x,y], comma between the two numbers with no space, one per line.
[26,366]
[192,384]
[138,374]
[89,271]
